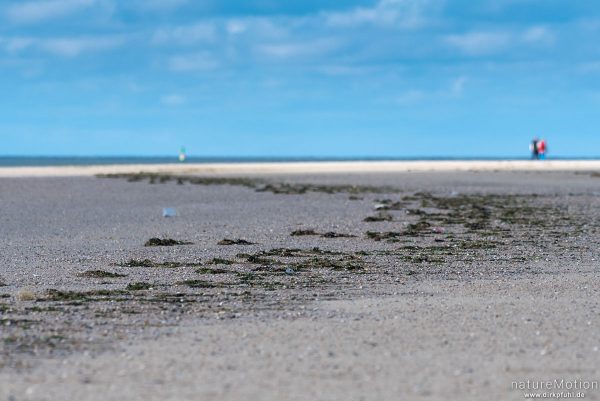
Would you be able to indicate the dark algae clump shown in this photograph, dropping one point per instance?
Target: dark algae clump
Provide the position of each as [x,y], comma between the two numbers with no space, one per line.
[165,242]
[100,274]
[332,234]
[198,284]
[55,295]
[139,286]
[220,261]
[228,241]
[137,263]
[150,263]
[298,233]
[329,234]
[211,270]
[257,184]
[380,216]
[390,236]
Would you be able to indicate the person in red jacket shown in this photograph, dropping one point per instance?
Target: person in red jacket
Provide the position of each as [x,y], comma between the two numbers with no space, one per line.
[542,148]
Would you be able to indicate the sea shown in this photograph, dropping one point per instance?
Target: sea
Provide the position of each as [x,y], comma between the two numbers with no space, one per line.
[40,161]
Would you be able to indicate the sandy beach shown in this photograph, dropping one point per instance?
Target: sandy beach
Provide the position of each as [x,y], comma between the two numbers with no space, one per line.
[300,281]
[307,167]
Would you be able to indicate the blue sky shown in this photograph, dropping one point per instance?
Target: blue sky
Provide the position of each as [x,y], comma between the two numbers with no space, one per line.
[299,78]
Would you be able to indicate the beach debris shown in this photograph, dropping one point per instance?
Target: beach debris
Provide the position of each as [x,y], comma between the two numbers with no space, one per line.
[165,242]
[139,286]
[438,230]
[258,185]
[54,295]
[26,295]
[332,234]
[418,228]
[199,284]
[329,234]
[298,233]
[329,263]
[388,204]
[257,260]
[254,259]
[261,258]
[2,283]
[283,252]
[228,241]
[220,261]
[138,263]
[299,189]
[381,216]
[422,258]
[289,270]
[169,212]
[295,252]
[100,274]
[149,263]
[390,236]
[247,278]
[58,295]
[212,270]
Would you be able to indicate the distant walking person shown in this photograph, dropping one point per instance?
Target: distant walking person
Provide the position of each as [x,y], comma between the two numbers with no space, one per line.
[542,149]
[534,149]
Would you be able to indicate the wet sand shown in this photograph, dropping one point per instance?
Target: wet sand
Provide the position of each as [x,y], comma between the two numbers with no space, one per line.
[395,285]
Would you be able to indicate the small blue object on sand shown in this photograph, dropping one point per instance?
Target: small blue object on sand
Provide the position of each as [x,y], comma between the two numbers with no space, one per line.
[169,212]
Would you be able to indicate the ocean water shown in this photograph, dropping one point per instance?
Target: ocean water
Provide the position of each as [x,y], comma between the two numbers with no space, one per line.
[23,161]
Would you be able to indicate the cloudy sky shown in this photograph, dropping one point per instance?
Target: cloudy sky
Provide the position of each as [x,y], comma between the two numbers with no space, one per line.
[299,77]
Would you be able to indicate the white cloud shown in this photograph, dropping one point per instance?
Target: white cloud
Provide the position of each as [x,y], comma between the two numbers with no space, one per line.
[235,27]
[74,46]
[479,43]
[173,100]
[458,86]
[343,70]
[160,5]
[298,49]
[396,13]
[483,43]
[538,34]
[186,35]
[16,44]
[410,97]
[192,62]
[68,47]
[273,28]
[34,11]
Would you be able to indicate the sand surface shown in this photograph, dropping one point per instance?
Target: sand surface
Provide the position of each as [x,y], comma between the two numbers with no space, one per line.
[479,279]
[308,167]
